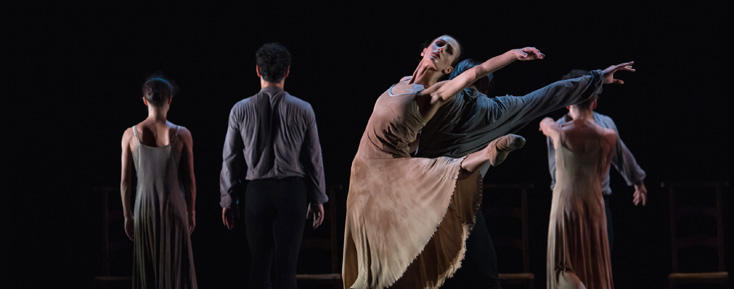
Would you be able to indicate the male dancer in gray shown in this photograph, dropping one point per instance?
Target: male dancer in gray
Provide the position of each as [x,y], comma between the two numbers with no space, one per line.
[472,120]
[623,161]
[272,151]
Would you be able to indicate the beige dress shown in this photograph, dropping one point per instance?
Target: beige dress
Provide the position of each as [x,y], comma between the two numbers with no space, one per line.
[578,248]
[407,218]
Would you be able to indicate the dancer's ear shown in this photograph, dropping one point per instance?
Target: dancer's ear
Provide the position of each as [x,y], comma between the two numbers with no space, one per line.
[448,70]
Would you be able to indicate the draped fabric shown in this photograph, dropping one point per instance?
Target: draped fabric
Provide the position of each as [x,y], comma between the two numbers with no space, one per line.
[162,248]
[578,248]
[407,218]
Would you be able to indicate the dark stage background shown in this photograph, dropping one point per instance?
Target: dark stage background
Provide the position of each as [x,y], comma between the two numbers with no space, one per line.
[75,72]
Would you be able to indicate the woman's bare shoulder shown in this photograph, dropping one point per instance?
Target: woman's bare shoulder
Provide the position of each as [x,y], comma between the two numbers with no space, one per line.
[183,133]
[609,135]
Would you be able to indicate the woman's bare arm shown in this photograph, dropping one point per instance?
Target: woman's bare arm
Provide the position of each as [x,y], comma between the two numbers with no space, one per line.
[550,129]
[444,91]
[465,79]
[126,181]
[189,177]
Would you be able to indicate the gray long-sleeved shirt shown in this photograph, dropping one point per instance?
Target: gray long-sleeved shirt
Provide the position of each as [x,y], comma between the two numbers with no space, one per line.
[472,120]
[271,134]
[623,160]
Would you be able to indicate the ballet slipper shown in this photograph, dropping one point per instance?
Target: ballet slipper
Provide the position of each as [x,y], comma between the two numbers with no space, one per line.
[502,146]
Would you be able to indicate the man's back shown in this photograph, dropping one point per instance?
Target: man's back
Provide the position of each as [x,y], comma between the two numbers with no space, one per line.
[272,154]
[273,126]
[273,134]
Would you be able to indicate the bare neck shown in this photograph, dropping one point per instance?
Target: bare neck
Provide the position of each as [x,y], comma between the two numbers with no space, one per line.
[425,74]
[264,83]
[581,114]
[157,115]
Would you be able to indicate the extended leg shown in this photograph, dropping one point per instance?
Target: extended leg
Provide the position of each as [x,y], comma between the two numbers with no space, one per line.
[495,153]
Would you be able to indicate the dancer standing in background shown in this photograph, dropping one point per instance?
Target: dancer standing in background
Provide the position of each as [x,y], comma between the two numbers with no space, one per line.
[164,215]
[623,161]
[272,149]
[578,247]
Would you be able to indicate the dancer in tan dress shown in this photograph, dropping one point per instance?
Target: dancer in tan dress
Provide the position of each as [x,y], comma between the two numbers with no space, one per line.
[408,218]
[578,248]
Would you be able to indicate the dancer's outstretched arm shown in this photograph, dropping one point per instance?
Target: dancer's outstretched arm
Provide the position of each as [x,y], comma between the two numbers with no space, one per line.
[442,92]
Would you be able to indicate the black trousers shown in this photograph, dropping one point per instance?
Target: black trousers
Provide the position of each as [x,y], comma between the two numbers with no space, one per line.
[479,267]
[275,216]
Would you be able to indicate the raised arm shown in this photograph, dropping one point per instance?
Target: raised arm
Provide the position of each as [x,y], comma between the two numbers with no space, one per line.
[559,94]
[431,98]
[550,129]
[609,72]
[446,90]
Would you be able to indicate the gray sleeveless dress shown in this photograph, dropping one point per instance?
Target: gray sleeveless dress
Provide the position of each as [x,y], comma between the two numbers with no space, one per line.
[578,248]
[162,249]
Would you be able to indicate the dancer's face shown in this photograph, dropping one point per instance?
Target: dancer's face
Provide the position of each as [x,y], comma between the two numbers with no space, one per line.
[442,52]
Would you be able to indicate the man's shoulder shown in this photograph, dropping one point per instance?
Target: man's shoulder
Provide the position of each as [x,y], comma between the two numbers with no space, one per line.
[244,101]
[242,105]
[297,102]
[603,117]
[605,121]
[251,100]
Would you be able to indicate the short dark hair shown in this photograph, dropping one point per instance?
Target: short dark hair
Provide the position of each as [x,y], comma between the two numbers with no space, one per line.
[484,84]
[273,60]
[157,89]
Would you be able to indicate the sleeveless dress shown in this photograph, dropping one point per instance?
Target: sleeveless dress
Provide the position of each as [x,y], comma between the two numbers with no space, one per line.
[162,249]
[407,219]
[578,248]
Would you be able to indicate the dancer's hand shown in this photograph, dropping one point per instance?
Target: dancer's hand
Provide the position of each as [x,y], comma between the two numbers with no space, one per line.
[608,73]
[317,211]
[528,53]
[544,122]
[228,217]
[549,127]
[640,195]
[130,228]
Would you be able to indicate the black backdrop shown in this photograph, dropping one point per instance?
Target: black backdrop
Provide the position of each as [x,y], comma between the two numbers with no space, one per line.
[75,71]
